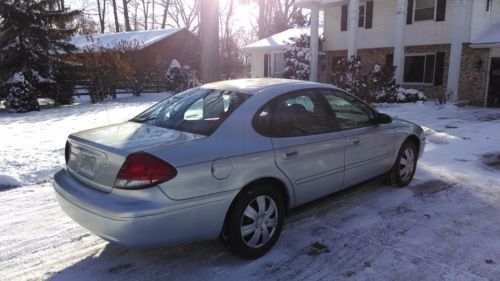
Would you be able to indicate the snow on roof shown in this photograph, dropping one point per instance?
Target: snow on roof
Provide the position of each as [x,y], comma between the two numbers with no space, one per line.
[490,38]
[111,40]
[322,3]
[279,40]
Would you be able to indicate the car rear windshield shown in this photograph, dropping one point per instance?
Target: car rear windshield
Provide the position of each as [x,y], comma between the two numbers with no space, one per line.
[198,110]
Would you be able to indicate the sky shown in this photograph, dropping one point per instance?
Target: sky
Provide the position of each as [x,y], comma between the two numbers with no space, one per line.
[243,17]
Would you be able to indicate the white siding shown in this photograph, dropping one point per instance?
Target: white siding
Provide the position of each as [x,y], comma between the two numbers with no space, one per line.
[257,62]
[481,20]
[383,30]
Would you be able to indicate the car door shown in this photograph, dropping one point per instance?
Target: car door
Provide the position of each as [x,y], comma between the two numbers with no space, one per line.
[309,149]
[370,146]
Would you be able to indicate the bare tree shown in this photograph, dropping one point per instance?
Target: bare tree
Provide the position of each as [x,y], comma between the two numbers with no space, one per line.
[102,14]
[209,40]
[115,13]
[166,5]
[187,13]
[145,11]
[125,15]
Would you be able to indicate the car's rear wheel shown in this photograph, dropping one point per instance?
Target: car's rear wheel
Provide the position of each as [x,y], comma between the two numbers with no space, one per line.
[255,221]
[406,163]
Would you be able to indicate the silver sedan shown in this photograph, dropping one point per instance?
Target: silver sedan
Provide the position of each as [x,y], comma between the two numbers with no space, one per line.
[227,160]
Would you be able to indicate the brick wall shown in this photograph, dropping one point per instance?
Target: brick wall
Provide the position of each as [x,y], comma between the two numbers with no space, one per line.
[473,75]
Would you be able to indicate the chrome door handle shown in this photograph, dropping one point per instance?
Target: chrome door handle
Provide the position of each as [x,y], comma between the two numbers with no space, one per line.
[289,153]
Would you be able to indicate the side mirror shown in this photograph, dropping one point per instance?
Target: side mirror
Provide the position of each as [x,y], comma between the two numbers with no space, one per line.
[383,118]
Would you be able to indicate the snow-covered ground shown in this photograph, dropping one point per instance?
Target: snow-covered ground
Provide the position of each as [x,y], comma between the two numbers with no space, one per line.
[444,226]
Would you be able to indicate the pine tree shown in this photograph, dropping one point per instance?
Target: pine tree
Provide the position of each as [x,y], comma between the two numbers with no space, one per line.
[297,57]
[32,44]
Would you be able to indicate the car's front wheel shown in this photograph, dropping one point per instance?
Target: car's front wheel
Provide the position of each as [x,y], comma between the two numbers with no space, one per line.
[406,163]
[255,221]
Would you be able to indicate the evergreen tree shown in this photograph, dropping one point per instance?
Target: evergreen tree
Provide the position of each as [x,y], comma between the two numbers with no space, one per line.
[297,57]
[32,42]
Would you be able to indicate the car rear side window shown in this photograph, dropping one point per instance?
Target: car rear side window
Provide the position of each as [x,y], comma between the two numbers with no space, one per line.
[198,110]
[294,114]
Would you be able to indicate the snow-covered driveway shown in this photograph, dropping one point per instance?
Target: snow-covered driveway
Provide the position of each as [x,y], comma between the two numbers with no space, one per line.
[445,226]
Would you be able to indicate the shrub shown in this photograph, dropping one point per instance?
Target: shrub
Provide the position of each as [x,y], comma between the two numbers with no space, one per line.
[347,75]
[175,80]
[378,85]
[401,95]
[297,57]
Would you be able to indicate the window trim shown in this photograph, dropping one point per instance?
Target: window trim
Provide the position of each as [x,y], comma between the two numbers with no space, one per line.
[425,66]
[415,9]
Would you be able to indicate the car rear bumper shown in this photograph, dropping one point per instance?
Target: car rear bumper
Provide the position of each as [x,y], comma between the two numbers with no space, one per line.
[142,218]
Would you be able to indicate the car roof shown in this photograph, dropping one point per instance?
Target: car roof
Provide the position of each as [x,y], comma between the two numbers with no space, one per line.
[255,85]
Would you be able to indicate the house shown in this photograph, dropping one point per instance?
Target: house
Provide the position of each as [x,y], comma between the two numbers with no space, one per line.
[267,55]
[438,46]
[159,46]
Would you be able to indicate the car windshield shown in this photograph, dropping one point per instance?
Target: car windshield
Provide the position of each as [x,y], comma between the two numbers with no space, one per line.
[198,110]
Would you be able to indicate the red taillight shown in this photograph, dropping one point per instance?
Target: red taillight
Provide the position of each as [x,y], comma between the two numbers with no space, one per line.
[142,170]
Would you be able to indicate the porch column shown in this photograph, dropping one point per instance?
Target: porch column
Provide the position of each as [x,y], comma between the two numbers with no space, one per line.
[352,49]
[399,38]
[457,25]
[313,74]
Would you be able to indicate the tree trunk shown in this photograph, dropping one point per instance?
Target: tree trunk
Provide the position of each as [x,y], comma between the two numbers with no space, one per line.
[261,20]
[125,15]
[209,27]
[115,13]
[102,14]
[145,10]
[165,13]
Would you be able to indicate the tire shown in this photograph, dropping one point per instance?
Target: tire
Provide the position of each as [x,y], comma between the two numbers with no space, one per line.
[404,168]
[255,221]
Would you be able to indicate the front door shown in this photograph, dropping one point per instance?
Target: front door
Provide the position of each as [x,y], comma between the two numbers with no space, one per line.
[309,148]
[494,85]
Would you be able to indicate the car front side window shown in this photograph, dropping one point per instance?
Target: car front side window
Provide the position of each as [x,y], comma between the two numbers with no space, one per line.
[297,114]
[350,112]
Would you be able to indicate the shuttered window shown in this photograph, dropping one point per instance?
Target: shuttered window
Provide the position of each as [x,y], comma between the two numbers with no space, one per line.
[419,68]
[365,18]
[361,17]
[424,9]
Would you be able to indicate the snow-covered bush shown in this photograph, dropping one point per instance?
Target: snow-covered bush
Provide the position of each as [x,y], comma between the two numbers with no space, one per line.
[401,95]
[297,57]
[175,80]
[382,80]
[21,95]
[347,75]
[378,86]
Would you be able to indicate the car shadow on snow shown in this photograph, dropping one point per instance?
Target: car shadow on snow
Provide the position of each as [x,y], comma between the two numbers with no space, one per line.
[431,230]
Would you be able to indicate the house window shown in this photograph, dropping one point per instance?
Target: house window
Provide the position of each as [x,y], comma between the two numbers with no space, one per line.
[424,9]
[489,5]
[419,68]
[361,18]
[278,65]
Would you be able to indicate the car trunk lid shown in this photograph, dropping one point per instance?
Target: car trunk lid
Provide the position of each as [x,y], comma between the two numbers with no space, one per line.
[96,155]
